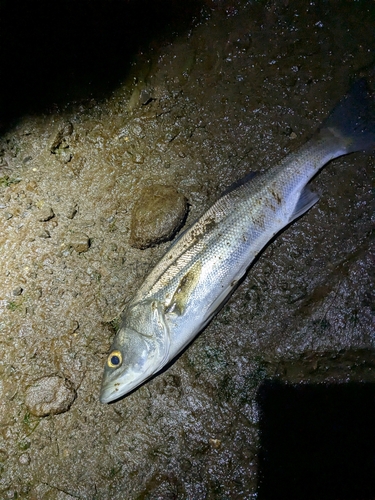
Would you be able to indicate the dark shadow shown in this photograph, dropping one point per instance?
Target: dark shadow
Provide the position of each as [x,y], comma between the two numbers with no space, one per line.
[317,442]
[56,52]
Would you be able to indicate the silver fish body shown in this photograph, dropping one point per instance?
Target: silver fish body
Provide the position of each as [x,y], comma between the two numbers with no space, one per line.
[204,264]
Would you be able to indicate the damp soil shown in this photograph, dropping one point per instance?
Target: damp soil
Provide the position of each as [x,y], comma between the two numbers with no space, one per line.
[245,84]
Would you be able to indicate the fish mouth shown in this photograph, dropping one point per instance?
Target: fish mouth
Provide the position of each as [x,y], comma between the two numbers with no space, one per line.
[124,384]
[110,392]
[105,398]
[114,390]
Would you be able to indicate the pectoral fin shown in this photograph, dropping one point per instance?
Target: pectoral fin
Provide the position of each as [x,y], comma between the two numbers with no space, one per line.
[184,290]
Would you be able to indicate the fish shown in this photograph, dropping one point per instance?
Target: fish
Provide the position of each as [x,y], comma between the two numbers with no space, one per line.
[205,263]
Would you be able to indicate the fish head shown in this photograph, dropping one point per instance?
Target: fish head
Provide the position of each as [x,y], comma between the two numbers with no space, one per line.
[140,349]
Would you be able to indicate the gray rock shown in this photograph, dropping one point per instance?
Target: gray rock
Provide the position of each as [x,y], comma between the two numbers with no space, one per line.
[146,96]
[49,396]
[157,215]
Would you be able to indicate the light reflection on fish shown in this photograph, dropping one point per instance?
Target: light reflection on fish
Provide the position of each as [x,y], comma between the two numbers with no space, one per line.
[204,264]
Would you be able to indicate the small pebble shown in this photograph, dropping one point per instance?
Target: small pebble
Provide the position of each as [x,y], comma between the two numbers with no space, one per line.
[65,130]
[215,443]
[71,211]
[45,214]
[72,326]
[28,203]
[8,215]
[80,242]
[17,291]
[138,158]
[157,215]
[45,234]
[24,459]
[146,96]
[49,396]
[30,186]
[65,156]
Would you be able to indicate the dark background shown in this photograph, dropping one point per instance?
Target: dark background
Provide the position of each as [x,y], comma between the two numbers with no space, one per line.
[54,52]
[317,441]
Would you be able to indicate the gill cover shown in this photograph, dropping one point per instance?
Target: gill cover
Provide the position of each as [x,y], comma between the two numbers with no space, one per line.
[140,349]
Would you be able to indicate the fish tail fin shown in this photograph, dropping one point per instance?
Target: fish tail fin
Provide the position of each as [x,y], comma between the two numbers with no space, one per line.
[353,119]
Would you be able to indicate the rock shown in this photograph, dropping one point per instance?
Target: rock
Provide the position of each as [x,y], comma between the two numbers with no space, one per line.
[71,211]
[61,136]
[146,96]
[215,443]
[45,234]
[45,214]
[17,291]
[49,396]
[80,242]
[138,158]
[72,326]
[157,215]
[65,156]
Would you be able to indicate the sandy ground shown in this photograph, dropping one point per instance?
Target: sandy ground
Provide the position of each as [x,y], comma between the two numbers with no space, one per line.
[245,85]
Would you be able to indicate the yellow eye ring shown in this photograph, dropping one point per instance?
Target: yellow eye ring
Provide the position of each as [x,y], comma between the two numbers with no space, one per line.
[114,359]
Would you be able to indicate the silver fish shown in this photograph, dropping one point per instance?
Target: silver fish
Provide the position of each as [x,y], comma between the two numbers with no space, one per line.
[205,263]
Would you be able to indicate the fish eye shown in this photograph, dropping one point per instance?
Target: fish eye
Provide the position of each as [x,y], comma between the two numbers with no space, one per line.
[114,359]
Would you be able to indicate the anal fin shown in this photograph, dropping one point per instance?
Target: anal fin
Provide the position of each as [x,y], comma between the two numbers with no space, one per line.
[306,200]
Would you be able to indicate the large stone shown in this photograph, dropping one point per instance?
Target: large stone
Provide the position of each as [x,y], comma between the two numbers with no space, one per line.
[49,396]
[157,215]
